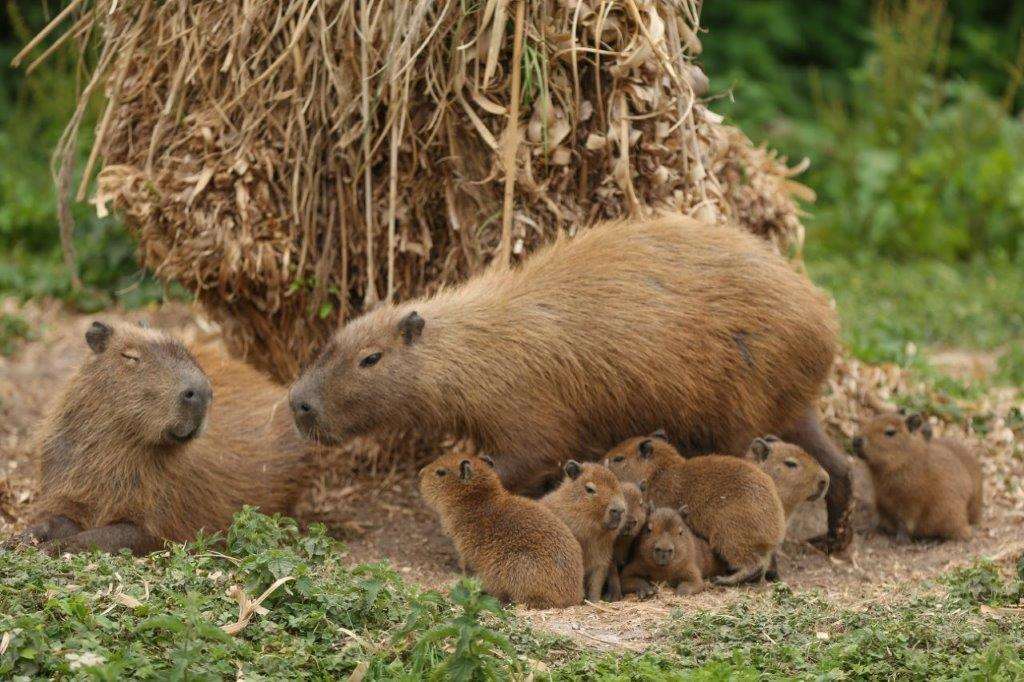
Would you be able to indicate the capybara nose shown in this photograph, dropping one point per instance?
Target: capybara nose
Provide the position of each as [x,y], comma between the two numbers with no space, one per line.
[196,398]
[614,517]
[662,555]
[304,412]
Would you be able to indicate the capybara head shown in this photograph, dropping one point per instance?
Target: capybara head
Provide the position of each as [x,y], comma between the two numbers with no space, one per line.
[141,382]
[594,492]
[797,475]
[665,537]
[636,509]
[888,439]
[454,476]
[635,459]
[363,380]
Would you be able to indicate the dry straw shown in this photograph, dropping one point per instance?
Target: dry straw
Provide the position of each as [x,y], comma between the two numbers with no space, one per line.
[293,162]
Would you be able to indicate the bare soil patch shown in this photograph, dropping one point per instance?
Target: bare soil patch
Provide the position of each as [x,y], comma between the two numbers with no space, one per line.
[369,499]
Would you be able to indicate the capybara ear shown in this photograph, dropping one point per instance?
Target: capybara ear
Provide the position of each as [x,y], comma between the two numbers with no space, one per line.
[646,448]
[926,431]
[98,336]
[761,447]
[487,460]
[411,326]
[660,434]
[914,422]
[465,470]
[643,486]
[684,511]
[573,469]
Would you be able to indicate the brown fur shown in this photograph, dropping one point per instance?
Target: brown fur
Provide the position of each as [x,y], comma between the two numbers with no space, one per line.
[798,478]
[636,517]
[522,552]
[591,503]
[729,501]
[922,489]
[969,459]
[667,552]
[622,329]
[111,475]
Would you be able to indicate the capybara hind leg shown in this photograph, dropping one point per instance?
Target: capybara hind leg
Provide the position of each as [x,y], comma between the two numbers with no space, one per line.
[111,539]
[53,528]
[808,434]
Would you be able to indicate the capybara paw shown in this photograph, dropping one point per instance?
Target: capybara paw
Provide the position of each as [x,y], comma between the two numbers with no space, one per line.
[833,543]
[646,590]
[687,589]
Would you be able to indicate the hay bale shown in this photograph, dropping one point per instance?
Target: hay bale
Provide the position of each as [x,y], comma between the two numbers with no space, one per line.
[294,162]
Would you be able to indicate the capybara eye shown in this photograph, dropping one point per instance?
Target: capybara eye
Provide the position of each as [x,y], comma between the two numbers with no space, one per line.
[590,488]
[370,360]
[131,357]
[891,431]
[791,463]
[619,458]
[441,472]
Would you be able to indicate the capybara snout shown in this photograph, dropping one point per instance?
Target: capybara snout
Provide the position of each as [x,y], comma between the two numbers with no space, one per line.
[193,404]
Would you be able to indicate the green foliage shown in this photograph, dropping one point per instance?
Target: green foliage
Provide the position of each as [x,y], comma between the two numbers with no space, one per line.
[13,331]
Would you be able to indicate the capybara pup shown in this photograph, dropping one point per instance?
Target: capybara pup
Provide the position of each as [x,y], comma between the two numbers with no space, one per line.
[622,329]
[731,503]
[798,478]
[969,459]
[520,550]
[921,490]
[636,516]
[667,552]
[591,503]
[143,445]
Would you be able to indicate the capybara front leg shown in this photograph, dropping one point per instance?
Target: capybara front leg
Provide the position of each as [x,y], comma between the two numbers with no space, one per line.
[808,434]
[111,539]
[595,583]
[613,591]
[53,528]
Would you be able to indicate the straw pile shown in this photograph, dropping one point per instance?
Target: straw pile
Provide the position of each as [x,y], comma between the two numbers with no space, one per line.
[294,162]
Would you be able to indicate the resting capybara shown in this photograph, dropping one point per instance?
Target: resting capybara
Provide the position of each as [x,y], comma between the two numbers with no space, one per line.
[922,490]
[667,552]
[520,550]
[969,459]
[798,478]
[731,503]
[636,516]
[145,446]
[625,328]
[591,503]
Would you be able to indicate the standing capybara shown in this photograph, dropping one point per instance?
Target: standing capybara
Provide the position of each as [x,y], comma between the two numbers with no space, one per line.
[667,552]
[636,516]
[520,550]
[145,446]
[921,490]
[798,478]
[625,328]
[591,503]
[731,503]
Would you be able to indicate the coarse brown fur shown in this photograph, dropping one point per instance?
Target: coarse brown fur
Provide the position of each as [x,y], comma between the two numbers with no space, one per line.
[668,552]
[625,328]
[591,503]
[969,459]
[518,547]
[622,551]
[730,502]
[124,465]
[922,489]
[798,477]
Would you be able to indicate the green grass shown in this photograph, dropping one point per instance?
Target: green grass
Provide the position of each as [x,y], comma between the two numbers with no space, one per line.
[70,618]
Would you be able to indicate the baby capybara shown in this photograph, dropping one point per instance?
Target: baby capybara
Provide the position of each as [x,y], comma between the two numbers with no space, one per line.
[922,490]
[667,552]
[798,478]
[623,329]
[520,550]
[636,517]
[151,442]
[591,503]
[731,503]
[969,459]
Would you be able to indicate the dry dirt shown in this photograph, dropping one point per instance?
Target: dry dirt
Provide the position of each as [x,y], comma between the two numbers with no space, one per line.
[370,501]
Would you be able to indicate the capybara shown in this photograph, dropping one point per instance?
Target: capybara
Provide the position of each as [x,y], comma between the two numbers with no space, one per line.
[969,459]
[731,503]
[520,550]
[922,490]
[667,552]
[623,329]
[591,503]
[798,477]
[151,442]
[636,516]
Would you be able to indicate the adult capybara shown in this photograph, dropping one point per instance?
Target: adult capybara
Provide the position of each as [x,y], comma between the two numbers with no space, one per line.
[151,442]
[922,490]
[623,329]
[520,550]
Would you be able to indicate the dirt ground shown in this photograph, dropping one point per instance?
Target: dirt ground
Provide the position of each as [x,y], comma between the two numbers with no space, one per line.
[370,500]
